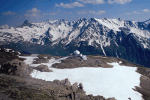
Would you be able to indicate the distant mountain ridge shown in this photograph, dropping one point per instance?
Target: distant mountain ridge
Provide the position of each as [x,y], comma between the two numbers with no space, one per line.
[129,40]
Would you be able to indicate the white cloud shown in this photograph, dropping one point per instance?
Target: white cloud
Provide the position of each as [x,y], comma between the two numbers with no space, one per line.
[52,13]
[70,12]
[26,14]
[135,12]
[119,1]
[82,12]
[92,1]
[8,13]
[67,12]
[91,12]
[49,13]
[127,13]
[33,12]
[99,12]
[146,10]
[71,5]
[33,15]
[4,26]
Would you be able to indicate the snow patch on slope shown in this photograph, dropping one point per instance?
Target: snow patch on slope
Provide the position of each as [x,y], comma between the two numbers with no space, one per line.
[117,82]
[116,24]
[30,59]
[111,24]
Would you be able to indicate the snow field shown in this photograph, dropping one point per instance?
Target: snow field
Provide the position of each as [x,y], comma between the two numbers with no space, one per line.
[117,82]
[29,59]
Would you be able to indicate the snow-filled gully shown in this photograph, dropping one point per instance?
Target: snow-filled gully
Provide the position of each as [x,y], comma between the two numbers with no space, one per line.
[117,82]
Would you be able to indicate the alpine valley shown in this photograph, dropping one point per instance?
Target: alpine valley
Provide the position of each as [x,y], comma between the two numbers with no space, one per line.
[129,40]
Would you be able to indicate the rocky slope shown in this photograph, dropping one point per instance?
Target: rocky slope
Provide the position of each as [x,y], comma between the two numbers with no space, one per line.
[16,81]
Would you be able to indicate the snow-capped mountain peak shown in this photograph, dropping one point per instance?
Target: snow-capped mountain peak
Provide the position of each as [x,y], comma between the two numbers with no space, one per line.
[63,29]
[147,21]
[96,35]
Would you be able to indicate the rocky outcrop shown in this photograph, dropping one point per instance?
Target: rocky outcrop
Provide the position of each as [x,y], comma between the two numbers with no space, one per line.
[15,67]
[18,88]
[77,92]
[13,52]
[43,68]
[92,61]
[144,88]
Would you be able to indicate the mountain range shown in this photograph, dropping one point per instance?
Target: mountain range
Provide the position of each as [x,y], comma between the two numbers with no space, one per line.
[129,40]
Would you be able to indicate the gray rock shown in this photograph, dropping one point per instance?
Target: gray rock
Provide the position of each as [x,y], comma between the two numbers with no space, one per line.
[74,86]
[57,82]
[43,68]
[66,82]
[81,86]
[15,67]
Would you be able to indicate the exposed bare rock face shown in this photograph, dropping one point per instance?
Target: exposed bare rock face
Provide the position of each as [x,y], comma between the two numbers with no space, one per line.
[77,92]
[8,55]
[144,88]
[42,58]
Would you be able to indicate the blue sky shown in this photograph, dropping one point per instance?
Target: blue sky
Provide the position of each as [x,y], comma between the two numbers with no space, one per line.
[14,12]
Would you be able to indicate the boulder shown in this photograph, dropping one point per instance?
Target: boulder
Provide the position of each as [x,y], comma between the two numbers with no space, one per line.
[81,86]
[74,86]
[66,82]
[58,82]
[43,68]
[15,67]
